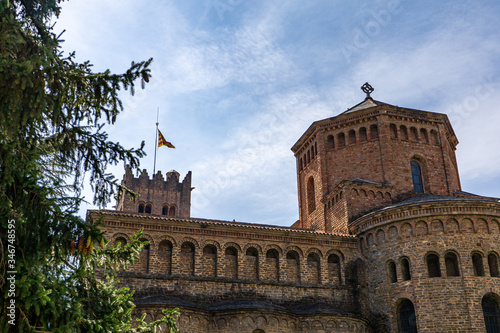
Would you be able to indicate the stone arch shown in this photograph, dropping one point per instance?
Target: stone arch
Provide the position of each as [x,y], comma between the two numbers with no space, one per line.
[150,239]
[437,227]
[251,262]
[380,235]
[421,228]
[370,240]
[354,192]
[275,247]
[413,134]
[209,259]
[424,136]
[332,325]
[393,233]
[371,194]
[144,257]
[451,261]
[363,193]
[314,267]
[404,262]
[387,196]
[490,304]
[493,264]
[271,268]
[211,242]
[164,209]
[452,226]
[481,226]
[406,315]
[341,140]
[120,237]
[330,140]
[228,244]
[172,211]
[234,322]
[317,325]
[351,136]
[494,227]
[292,266]
[373,132]
[433,264]
[434,137]
[261,321]
[392,272]
[256,246]
[477,263]
[297,249]
[404,132]
[166,237]
[406,230]
[394,131]
[231,260]
[191,240]
[187,257]
[362,134]
[315,250]
[165,248]
[149,208]
[466,225]
[334,261]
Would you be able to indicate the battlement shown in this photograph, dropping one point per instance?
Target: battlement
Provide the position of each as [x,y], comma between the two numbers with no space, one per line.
[157,195]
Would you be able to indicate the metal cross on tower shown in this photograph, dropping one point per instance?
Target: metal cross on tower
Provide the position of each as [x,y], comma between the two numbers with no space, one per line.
[367,89]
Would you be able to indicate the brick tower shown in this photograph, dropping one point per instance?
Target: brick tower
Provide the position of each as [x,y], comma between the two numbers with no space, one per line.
[369,156]
[157,196]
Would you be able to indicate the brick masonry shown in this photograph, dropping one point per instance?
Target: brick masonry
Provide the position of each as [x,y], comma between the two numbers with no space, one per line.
[365,244]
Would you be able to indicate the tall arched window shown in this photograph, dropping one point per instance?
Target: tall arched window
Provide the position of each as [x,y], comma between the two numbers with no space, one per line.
[141,208]
[491,313]
[477,264]
[171,211]
[272,262]
[341,140]
[352,137]
[407,317]
[293,266]
[404,132]
[433,265]
[210,261]
[311,200]
[165,256]
[391,271]
[451,262]
[394,131]
[164,210]
[187,258]
[148,209]
[493,265]
[362,134]
[144,258]
[405,269]
[231,266]
[252,263]
[373,132]
[331,142]
[313,263]
[416,177]
[334,268]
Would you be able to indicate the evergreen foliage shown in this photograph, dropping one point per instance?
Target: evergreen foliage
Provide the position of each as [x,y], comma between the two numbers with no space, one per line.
[52,113]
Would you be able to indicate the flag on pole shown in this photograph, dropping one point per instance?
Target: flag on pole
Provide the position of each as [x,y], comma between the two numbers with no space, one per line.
[163,142]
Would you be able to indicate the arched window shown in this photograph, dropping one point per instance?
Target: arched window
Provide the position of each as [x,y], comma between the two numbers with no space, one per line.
[164,210]
[300,164]
[433,265]
[424,135]
[373,132]
[187,258]
[171,211]
[252,263]
[121,240]
[451,263]
[352,137]
[210,261]
[334,268]
[407,318]
[414,134]
[477,264]
[416,177]
[491,313]
[308,156]
[144,257]
[293,266]
[148,209]
[258,331]
[311,200]
[362,134]
[231,266]
[313,264]
[435,138]
[341,140]
[330,142]
[405,269]
[404,132]
[141,208]
[272,262]
[391,271]
[394,131]
[493,265]
[165,256]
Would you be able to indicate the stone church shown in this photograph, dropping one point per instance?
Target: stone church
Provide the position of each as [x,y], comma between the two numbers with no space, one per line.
[387,241]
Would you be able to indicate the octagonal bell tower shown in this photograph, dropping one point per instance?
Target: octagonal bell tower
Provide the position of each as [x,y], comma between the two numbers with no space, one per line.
[371,155]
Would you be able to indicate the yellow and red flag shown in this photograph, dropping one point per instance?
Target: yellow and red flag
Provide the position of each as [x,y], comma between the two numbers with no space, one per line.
[163,142]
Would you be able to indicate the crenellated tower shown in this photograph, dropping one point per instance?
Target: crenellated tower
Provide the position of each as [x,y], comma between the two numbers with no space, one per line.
[157,196]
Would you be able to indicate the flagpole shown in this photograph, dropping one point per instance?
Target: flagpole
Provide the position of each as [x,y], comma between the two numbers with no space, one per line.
[156,139]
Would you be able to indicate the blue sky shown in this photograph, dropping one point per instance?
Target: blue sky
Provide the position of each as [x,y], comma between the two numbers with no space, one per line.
[238,81]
